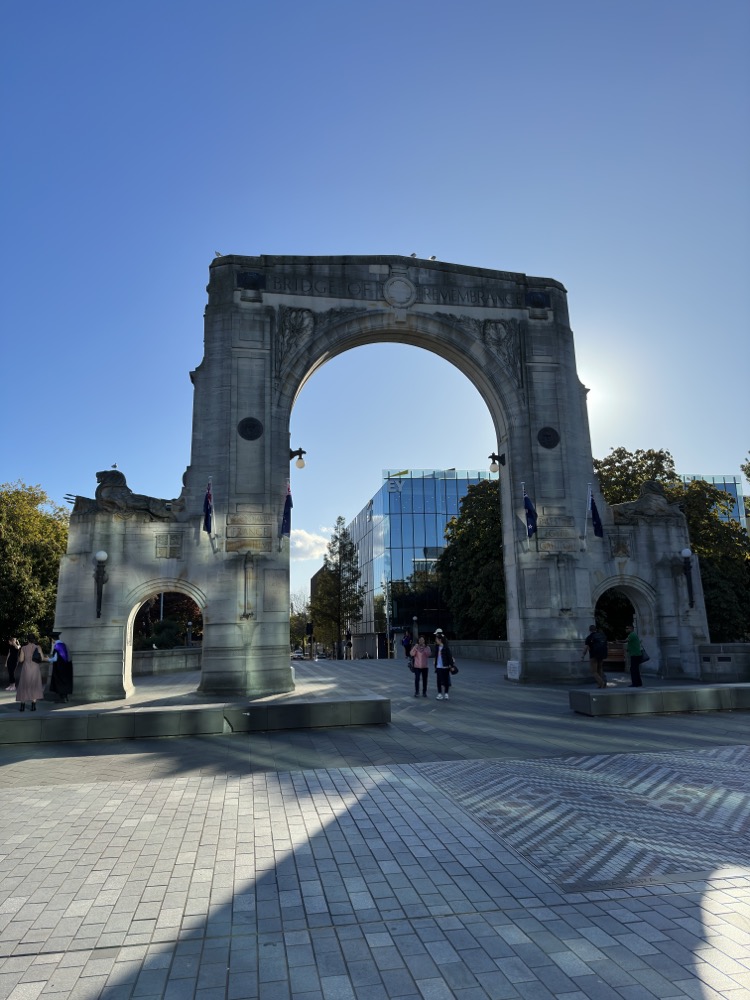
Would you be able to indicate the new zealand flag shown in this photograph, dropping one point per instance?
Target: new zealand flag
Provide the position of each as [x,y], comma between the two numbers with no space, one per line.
[530,514]
[285,528]
[208,509]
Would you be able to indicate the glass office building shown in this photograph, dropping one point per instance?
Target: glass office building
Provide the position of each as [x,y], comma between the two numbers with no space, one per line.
[731,485]
[399,535]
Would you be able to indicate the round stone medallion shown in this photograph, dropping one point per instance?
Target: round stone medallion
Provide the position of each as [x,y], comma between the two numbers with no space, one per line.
[548,437]
[249,428]
[399,292]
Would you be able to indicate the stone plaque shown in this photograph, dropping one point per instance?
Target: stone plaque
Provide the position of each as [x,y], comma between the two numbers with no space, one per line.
[169,546]
[513,670]
[247,518]
[251,544]
[275,590]
[249,531]
[559,545]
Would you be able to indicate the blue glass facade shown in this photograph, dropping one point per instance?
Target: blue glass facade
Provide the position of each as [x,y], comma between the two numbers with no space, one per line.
[399,535]
[731,485]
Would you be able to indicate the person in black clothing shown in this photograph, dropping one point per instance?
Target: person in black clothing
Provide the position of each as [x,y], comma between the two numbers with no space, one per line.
[595,645]
[443,662]
[407,642]
[61,680]
[11,662]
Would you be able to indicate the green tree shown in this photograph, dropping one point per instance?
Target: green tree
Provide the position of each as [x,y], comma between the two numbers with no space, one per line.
[721,545]
[723,549]
[621,473]
[33,539]
[164,621]
[336,604]
[745,467]
[470,568]
[299,616]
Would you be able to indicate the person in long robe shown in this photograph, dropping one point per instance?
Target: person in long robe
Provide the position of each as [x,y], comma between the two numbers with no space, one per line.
[29,686]
[61,680]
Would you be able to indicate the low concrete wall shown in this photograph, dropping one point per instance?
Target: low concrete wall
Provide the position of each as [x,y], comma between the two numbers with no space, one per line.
[147,662]
[140,723]
[655,701]
[725,661]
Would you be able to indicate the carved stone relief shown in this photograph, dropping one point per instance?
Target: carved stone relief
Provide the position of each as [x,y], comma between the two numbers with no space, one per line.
[113,496]
[294,327]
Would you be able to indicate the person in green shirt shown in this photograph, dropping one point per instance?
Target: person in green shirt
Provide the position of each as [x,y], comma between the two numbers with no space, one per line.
[635,652]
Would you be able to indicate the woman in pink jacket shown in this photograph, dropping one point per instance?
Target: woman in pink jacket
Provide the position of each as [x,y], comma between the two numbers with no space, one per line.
[420,654]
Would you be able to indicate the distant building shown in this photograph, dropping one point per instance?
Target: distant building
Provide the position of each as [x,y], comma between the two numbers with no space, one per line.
[399,535]
[731,485]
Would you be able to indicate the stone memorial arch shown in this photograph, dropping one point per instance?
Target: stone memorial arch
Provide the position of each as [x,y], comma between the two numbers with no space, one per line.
[270,322]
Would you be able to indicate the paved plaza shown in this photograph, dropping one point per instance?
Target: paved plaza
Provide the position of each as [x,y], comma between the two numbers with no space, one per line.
[492,846]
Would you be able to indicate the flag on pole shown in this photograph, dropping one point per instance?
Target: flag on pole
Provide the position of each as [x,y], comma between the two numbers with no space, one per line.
[530,513]
[285,528]
[208,509]
[596,520]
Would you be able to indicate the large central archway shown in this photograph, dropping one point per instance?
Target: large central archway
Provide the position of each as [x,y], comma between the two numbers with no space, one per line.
[270,323]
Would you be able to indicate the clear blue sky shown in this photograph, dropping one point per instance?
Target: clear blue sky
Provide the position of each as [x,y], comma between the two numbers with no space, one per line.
[602,144]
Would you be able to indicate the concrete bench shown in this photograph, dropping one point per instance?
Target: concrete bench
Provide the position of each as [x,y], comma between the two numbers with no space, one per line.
[660,700]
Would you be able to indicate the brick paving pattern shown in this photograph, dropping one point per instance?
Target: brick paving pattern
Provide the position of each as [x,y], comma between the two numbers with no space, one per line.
[384,863]
[622,819]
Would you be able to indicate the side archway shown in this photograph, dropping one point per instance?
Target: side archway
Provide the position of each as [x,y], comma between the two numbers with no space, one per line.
[135,601]
[643,599]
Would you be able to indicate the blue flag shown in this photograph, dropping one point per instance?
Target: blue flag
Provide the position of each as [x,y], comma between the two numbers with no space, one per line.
[208,509]
[285,528]
[530,514]
[597,521]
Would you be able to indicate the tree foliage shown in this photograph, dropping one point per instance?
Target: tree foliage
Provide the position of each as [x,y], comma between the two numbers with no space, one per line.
[336,604]
[470,568]
[299,616]
[721,545]
[621,473]
[746,468]
[162,621]
[33,539]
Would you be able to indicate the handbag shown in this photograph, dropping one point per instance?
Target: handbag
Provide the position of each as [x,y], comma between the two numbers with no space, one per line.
[36,656]
[453,668]
[644,655]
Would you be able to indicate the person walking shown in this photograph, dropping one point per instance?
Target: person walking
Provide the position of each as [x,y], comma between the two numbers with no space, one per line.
[407,642]
[11,662]
[29,685]
[635,652]
[420,655]
[595,644]
[443,663]
[61,680]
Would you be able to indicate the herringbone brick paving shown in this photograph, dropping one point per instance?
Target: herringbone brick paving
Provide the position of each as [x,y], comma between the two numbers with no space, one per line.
[386,862]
